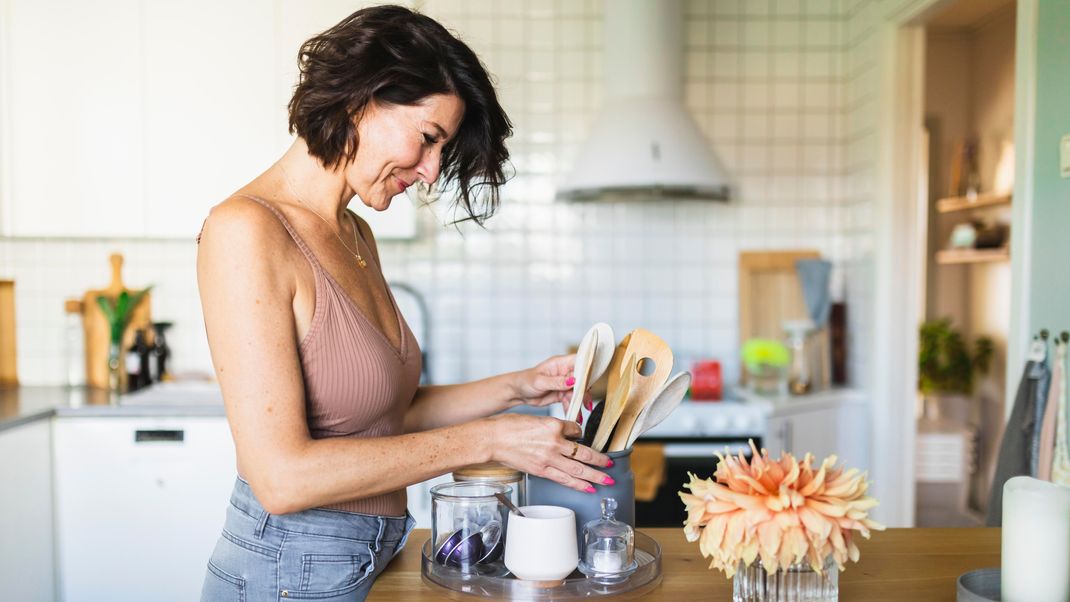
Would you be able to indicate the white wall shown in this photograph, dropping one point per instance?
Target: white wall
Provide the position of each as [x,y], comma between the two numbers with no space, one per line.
[766,81]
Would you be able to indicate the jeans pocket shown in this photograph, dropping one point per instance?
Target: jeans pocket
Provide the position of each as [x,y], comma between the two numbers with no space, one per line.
[410,524]
[221,586]
[324,575]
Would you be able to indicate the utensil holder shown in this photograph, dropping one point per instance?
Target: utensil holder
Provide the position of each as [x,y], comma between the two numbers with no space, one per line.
[588,506]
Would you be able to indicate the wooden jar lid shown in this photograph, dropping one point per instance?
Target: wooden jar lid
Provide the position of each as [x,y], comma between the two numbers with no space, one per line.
[487,471]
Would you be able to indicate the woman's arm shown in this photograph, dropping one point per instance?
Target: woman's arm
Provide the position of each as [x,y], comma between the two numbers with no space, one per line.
[247,289]
[442,405]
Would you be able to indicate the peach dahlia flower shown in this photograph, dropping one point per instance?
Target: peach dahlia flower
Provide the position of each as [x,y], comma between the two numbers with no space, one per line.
[781,511]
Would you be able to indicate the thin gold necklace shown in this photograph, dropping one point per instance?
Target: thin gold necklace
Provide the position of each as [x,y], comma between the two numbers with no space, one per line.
[289,185]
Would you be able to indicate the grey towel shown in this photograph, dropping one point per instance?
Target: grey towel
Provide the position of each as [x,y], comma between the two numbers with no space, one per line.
[1016,451]
[814,278]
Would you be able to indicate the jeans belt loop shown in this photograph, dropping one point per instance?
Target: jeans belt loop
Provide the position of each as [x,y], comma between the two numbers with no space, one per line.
[261,523]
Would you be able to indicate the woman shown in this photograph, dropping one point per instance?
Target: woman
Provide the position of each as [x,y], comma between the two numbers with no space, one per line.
[318,369]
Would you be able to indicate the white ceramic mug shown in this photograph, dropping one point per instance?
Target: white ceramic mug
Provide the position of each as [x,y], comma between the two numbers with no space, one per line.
[541,545]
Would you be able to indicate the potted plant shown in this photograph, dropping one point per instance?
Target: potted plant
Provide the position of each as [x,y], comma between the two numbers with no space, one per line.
[947,364]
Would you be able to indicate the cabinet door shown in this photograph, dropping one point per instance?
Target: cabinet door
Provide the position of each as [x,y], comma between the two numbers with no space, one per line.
[212,110]
[140,503]
[73,137]
[26,571]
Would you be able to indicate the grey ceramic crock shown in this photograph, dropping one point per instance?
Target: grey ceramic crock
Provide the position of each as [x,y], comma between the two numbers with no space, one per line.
[588,506]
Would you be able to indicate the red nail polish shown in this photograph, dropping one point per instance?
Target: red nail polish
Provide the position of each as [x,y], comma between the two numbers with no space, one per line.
[570,381]
[610,465]
[608,481]
[590,489]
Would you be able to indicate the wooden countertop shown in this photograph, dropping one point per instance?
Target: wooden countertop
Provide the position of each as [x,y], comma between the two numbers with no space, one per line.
[896,565]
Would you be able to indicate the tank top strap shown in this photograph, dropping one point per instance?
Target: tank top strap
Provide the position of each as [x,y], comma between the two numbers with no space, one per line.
[289,228]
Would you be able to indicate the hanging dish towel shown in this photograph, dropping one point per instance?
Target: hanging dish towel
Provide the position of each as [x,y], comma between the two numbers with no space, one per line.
[1016,450]
[1056,391]
[1060,465]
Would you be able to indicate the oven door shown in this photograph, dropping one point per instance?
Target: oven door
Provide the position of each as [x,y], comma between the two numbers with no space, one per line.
[681,457]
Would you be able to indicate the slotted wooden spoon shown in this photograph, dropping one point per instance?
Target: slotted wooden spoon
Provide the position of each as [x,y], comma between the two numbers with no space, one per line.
[647,347]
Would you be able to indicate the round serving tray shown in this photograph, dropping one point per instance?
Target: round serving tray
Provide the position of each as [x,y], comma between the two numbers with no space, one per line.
[502,584]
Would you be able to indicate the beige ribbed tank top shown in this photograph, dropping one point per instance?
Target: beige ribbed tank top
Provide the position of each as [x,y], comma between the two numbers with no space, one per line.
[357,384]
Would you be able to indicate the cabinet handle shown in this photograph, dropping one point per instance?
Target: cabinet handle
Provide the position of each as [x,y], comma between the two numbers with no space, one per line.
[150,436]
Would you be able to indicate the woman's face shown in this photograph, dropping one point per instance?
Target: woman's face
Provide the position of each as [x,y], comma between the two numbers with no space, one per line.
[401,145]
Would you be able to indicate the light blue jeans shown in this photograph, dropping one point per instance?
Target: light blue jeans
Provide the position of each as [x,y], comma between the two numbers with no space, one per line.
[325,555]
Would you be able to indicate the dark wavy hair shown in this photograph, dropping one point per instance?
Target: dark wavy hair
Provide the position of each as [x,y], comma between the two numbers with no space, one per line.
[393,55]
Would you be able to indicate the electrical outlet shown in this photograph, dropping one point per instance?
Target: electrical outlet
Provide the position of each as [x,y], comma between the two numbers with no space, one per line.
[1064,157]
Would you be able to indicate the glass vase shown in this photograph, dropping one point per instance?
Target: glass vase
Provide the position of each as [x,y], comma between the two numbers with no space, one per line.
[115,377]
[797,583]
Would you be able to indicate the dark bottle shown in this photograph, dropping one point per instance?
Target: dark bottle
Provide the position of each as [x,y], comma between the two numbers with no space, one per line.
[137,363]
[161,351]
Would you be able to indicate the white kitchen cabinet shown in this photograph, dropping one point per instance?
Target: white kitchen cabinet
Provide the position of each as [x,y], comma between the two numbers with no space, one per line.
[420,499]
[822,424]
[140,502]
[132,118]
[212,110]
[74,118]
[26,541]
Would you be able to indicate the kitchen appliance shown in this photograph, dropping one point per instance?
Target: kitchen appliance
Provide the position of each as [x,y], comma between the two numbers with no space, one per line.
[644,142]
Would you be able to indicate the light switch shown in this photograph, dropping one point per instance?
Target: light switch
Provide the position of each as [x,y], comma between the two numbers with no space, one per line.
[1064,157]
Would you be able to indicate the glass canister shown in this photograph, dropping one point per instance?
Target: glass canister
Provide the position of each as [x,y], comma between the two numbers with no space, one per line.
[608,547]
[496,472]
[468,525]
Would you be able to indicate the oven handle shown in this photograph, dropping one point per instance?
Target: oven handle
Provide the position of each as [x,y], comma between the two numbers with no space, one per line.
[705,450]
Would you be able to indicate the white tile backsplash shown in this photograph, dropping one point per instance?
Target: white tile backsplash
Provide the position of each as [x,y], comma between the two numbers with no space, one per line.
[763,82]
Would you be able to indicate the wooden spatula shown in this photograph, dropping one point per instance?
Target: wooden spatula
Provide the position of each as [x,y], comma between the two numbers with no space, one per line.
[614,405]
[648,347]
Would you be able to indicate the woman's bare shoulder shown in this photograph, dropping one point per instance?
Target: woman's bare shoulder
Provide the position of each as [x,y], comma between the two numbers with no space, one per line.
[240,221]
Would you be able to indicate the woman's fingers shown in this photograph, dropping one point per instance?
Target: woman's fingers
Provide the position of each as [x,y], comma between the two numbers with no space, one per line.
[584,454]
[557,475]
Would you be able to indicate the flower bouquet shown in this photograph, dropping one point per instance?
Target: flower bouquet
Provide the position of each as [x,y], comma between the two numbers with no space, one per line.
[784,516]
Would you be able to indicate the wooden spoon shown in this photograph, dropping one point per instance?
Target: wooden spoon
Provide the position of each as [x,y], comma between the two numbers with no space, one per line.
[667,400]
[648,347]
[608,381]
[614,405]
[582,372]
[603,351]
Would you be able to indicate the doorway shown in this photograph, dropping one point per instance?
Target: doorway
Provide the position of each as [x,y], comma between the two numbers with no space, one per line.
[969,93]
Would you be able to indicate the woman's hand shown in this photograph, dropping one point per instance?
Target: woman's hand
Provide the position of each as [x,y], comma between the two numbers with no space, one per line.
[542,446]
[549,382]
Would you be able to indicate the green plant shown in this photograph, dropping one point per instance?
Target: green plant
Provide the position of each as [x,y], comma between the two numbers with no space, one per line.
[945,362]
[118,312]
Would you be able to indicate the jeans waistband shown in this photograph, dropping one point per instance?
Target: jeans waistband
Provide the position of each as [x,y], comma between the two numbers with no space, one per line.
[320,520]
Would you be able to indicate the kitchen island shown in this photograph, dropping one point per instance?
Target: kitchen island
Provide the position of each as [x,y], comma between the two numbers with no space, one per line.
[897,564]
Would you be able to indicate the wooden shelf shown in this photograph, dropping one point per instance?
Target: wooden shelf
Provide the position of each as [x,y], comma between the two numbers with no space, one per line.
[961,203]
[954,256]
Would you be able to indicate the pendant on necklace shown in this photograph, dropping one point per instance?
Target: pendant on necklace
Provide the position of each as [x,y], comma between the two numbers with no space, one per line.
[361,262]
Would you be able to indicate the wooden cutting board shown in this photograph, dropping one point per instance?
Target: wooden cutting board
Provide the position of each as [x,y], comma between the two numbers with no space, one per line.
[8,364]
[769,293]
[98,332]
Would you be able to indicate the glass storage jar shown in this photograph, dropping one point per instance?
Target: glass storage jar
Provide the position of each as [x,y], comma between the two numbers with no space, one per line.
[468,525]
[496,472]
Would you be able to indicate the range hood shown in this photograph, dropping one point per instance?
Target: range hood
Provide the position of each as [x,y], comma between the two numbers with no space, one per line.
[644,143]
